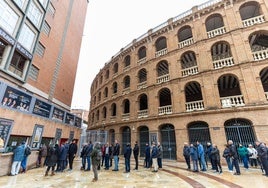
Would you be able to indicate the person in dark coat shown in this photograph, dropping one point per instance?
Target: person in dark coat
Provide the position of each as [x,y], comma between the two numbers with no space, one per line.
[95,160]
[154,157]
[83,156]
[208,156]
[116,154]
[194,157]
[89,149]
[160,155]
[226,155]
[186,154]
[72,153]
[127,154]
[52,157]
[215,157]
[136,151]
[147,156]
[234,156]
[263,156]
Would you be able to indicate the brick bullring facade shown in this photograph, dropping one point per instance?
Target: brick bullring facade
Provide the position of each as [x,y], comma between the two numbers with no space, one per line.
[202,75]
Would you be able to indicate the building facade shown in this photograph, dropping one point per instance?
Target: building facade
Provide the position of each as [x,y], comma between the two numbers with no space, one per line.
[200,76]
[39,49]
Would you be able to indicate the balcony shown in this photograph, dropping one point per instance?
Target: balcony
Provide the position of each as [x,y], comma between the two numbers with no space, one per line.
[195,105]
[161,52]
[260,55]
[126,91]
[215,32]
[232,101]
[141,61]
[125,116]
[114,95]
[143,113]
[142,85]
[226,62]
[126,68]
[253,21]
[112,119]
[163,110]
[189,71]
[186,42]
[162,79]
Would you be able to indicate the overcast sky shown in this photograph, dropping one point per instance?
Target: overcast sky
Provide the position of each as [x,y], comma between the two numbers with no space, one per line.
[113,24]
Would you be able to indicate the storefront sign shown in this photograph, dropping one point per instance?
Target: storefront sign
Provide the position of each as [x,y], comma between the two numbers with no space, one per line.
[24,51]
[6,37]
[16,99]
[41,108]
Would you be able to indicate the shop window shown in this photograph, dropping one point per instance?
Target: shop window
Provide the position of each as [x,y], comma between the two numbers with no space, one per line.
[17,64]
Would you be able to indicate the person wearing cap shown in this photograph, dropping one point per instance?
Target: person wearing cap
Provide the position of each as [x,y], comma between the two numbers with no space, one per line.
[253,154]
[17,158]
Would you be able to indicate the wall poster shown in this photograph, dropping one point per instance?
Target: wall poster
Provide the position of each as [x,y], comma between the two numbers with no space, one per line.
[37,136]
[5,129]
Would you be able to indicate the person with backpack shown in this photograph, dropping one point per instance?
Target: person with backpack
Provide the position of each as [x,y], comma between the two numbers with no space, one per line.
[27,152]
[96,156]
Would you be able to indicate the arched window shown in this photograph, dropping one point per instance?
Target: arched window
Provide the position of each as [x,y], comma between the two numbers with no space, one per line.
[143,102]
[142,53]
[142,75]
[115,68]
[162,68]
[127,61]
[104,112]
[105,93]
[126,82]
[113,109]
[161,43]
[164,97]
[114,87]
[199,131]
[126,105]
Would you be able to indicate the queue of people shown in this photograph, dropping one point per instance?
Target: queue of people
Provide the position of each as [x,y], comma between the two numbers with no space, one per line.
[249,156]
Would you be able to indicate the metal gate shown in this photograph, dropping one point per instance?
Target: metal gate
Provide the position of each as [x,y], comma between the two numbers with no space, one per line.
[199,131]
[126,138]
[96,136]
[239,131]
[144,138]
[168,141]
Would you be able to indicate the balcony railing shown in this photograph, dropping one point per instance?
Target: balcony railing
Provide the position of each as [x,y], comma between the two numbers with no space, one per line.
[165,110]
[143,113]
[232,101]
[112,118]
[161,79]
[141,61]
[142,85]
[189,71]
[186,42]
[260,55]
[114,95]
[226,62]
[161,52]
[195,105]
[125,117]
[266,94]
[126,91]
[253,21]
[215,32]
[126,68]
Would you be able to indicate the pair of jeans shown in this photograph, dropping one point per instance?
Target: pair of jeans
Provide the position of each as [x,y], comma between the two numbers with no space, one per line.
[203,162]
[229,163]
[88,162]
[115,162]
[24,163]
[127,164]
[245,161]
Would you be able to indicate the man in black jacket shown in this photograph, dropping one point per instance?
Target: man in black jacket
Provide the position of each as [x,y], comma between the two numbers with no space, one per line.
[116,154]
[127,154]
[234,156]
[72,152]
[263,156]
[136,151]
[186,154]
